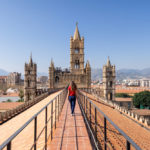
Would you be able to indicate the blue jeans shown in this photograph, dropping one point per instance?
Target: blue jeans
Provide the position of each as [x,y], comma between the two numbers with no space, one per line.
[72,100]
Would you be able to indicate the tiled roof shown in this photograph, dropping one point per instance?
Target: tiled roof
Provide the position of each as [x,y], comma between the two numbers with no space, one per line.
[142,112]
[123,99]
[9,105]
[3,77]
[10,94]
[137,133]
[129,91]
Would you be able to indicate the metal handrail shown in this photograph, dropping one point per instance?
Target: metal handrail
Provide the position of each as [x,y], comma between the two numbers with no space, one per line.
[88,126]
[129,140]
[8,141]
[5,116]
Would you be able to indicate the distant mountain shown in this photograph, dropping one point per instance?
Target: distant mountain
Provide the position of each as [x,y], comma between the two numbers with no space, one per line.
[96,73]
[146,71]
[3,72]
[123,74]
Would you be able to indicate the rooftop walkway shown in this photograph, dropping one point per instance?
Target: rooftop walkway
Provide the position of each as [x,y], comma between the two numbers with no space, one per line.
[50,125]
[136,132]
[70,133]
[11,126]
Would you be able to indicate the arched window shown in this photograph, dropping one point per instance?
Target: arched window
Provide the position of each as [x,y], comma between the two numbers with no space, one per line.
[56,79]
[76,51]
[28,71]
[77,64]
[110,73]
[109,96]
[28,83]
[28,96]
[110,83]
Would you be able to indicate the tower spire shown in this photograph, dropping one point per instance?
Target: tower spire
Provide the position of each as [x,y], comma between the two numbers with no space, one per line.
[87,64]
[108,62]
[76,33]
[52,63]
[31,62]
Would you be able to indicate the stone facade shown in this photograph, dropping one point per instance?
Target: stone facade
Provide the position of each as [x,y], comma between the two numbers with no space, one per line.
[30,80]
[78,73]
[13,79]
[109,75]
[3,79]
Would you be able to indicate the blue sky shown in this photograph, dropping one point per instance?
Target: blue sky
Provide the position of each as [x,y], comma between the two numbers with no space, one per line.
[116,28]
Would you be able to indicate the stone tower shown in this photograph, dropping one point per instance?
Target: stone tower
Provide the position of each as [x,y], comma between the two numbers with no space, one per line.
[51,74]
[60,78]
[88,74]
[30,80]
[77,53]
[109,80]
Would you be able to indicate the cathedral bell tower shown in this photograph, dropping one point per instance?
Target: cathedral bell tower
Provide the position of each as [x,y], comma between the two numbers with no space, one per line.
[30,80]
[109,75]
[51,75]
[77,53]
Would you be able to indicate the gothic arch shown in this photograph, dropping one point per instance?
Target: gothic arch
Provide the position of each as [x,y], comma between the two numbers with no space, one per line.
[110,96]
[110,83]
[77,64]
[28,82]
[56,79]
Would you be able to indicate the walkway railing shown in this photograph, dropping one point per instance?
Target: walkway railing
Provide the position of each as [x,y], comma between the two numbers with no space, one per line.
[142,120]
[104,133]
[55,105]
[5,116]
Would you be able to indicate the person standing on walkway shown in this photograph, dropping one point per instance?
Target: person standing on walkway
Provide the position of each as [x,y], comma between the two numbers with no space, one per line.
[72,95]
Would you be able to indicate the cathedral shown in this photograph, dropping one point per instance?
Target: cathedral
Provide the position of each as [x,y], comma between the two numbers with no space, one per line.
[78,73]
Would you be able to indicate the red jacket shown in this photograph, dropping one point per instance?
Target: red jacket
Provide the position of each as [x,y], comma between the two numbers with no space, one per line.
[71,92]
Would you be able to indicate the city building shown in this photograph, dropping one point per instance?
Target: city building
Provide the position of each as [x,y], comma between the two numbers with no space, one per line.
[14,79]
[131,82]
[124,102]
[3,79]
[145,82]
[42,79]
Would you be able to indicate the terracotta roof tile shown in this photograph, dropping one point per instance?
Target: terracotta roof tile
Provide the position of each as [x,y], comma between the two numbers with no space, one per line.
[9,105]
[136,132]
[142,112]
[123,99]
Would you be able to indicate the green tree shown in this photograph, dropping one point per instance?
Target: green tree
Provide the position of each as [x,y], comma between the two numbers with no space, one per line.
[21,95]
[141,98]
[124,95]
[20,100]
[9,100]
